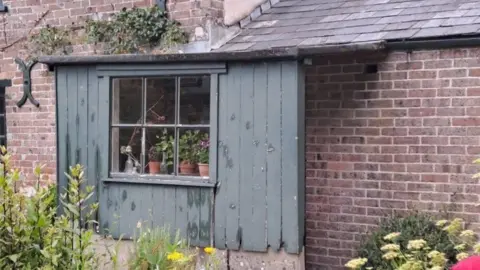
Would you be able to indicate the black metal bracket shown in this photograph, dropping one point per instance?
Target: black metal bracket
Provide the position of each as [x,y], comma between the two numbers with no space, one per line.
[26,68]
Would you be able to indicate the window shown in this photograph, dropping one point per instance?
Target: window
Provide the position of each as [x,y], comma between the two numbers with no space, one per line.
[160,125]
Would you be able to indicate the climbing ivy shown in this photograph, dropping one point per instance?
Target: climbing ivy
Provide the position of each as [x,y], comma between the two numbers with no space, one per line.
[50,40]
[135,30]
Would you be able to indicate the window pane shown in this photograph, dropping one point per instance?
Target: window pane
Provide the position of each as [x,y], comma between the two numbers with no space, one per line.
[126,150]
[160,101]
[195,100]
[159,154]
[127,101]
[190,142]
[2,126]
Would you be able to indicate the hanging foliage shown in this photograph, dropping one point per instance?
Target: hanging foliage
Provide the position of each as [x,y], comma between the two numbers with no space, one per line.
[135,30]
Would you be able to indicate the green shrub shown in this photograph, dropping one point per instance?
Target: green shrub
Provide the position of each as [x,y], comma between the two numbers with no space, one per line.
[156,249]
[32,235]
[414,226]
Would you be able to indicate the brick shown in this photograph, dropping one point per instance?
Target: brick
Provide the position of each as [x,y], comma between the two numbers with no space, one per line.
[421,112]
[422,74]
[471,121]
[422,93]
[400,143]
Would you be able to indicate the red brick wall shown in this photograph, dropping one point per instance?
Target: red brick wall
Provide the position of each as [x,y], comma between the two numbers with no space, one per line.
[403,138]
[31,130]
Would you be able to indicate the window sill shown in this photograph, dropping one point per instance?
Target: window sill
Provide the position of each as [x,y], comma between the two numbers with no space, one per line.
[167,180]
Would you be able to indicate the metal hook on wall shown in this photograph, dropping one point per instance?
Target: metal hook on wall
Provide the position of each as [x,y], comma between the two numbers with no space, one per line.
[26,68]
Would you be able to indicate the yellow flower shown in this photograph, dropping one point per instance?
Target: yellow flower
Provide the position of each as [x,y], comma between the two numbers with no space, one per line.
[441,223]
[356,263]
[391,236]
[476,248]
[460,247]
[461,256]
[139,224]
[390,247]
[416,244]
[437,268]
[454,227]
[390,255]
[175,256]
[437,258]
[467,234]
[411,265]
[209,250]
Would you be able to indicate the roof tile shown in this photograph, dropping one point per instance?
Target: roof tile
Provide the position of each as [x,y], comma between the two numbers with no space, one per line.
[306,23]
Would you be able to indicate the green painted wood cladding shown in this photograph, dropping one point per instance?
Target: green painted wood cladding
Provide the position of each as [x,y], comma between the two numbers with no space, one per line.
[257,117]
[260,199]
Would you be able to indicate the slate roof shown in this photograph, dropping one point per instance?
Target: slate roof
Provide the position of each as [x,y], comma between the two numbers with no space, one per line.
[317,23]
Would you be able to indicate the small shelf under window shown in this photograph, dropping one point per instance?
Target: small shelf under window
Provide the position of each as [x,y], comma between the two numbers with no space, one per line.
[169,180]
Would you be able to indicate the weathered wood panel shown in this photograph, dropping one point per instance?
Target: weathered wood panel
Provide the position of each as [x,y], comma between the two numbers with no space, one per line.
[129,204]
[260,142]
[232,149]
[83,117]
[292,219]
[246,161]
[260,196]
[274,158]
[220,228]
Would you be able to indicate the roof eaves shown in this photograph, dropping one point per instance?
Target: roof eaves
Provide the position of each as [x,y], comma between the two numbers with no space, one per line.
[292,53]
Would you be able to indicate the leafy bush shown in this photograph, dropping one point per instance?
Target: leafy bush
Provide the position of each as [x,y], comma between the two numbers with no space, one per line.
[135,30]
[156,249]
[419,253]
[414,226]
[32,235]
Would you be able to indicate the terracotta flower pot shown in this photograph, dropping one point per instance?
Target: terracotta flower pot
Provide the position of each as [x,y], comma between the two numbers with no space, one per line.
[154,167]
[203,169]
[187,168]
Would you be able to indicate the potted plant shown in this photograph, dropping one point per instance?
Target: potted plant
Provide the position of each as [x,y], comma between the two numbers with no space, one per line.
[154,157]
[203,155]
[188,152]
[164,147]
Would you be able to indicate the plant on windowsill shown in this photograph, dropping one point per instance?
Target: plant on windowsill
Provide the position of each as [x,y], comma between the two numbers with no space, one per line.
[154,159]
[203,156]
[188,145]
[164,150]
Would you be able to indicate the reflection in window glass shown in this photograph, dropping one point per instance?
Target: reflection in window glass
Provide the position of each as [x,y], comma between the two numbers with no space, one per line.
[160,101]
[160,125]
[194,100]
[127,101]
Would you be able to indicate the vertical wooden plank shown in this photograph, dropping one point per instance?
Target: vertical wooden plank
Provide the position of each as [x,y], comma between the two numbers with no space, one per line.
[109,211]
[170,212]
[213,156]
[181,215]
[102,146]
[205,217]
[220,202]
[62,127]
[158,197]
[274,158]
[139,206]
[301,135]
[258,242]
[73,119]
[290,155]
[82,116]
[193,215]
[245,164]
[233,233]
[92,135]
